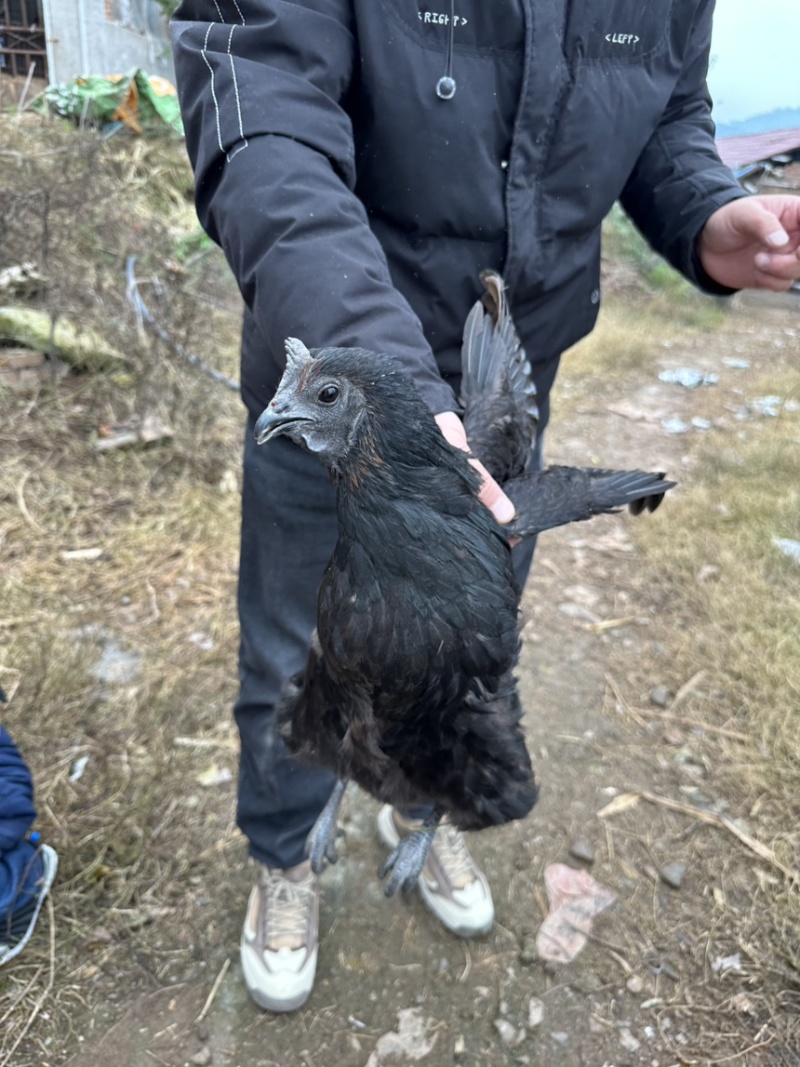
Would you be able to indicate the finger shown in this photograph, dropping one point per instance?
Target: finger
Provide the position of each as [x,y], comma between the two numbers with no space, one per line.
[490,492]
[493,496]
[771,282]
[777,273]
[761,224]
[784,267]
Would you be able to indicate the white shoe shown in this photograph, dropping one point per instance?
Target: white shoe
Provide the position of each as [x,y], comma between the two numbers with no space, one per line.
[280,937]
[452,885]
[15,934]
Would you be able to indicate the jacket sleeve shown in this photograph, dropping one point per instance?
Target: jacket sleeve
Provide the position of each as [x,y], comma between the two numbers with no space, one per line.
[16,794]
[679,180]
[262,95]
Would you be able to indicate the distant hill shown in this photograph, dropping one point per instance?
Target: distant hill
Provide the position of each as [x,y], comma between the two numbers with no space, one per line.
[783,118]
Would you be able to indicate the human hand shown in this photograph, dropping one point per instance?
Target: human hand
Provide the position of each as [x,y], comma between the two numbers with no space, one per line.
[753,243]
[490,492]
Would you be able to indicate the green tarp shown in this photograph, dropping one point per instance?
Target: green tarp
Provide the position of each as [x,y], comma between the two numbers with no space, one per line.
[143,103]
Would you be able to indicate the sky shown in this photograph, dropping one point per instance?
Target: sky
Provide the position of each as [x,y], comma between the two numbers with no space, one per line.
[755,57]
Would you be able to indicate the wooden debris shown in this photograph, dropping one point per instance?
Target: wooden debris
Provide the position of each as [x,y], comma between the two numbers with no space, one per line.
[35,329]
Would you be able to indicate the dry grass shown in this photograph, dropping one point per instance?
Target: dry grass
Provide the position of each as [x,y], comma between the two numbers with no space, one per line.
[725,613]
[631,335]
[743,493]
[134,831]
[727,605]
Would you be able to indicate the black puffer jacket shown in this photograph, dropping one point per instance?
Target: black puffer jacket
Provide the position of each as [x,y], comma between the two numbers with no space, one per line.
[357,207]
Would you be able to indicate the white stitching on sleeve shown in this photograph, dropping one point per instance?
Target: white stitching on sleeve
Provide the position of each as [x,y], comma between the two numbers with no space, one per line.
[242,141]
[204,54]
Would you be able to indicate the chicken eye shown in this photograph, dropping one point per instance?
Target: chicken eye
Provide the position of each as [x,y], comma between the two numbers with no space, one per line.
[329,394]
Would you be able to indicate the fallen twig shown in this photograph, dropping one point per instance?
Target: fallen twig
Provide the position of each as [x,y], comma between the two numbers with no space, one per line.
[210,998]
[623,703]
[667,716]
[686,689]
[204,742]
[144,315]
[629,800]
[468,963]
[613,624]
[23,507]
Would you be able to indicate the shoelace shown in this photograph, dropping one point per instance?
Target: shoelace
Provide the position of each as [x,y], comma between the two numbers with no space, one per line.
[454,857]
[285,910]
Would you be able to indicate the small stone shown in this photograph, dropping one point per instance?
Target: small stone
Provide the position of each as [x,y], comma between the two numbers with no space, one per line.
[635,984]
[768,406]
[674,426]
[528,953]
[535,1012]
[673,874]
[659,695]
[688,377]
[580,849]
[743,1003]
[201,1058]
[628,1041]
[788,547]
[560,1037]
[507,1032]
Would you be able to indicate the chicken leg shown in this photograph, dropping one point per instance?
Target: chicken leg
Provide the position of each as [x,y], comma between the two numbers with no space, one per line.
[321,840]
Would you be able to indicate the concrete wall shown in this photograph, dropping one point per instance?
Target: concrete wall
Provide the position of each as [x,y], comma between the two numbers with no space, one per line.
[105,37]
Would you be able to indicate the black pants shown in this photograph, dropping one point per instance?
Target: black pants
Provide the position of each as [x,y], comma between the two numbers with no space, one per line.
[288,534]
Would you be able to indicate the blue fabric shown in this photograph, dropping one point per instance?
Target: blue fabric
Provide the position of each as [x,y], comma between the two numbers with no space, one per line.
[20,865]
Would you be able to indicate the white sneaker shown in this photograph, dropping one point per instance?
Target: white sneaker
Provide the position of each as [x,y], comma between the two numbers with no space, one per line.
[452,885]
[16,932]
[280,937]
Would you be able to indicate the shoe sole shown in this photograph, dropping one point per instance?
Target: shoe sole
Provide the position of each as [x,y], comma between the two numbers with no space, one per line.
[387,831]
[279,1007]
[264,1000]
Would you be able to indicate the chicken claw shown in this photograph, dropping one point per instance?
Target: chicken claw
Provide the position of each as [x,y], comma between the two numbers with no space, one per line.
[407,859]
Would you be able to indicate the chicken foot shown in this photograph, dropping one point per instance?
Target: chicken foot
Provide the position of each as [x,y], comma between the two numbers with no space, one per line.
[321,840]
[407,859]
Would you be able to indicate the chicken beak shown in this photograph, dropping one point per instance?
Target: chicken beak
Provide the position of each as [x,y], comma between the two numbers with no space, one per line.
[274,420]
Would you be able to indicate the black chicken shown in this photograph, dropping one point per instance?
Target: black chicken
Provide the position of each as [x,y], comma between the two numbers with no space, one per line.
[408,688]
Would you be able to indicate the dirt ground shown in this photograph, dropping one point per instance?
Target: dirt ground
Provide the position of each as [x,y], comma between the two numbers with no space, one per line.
[649,987]
[641,763]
